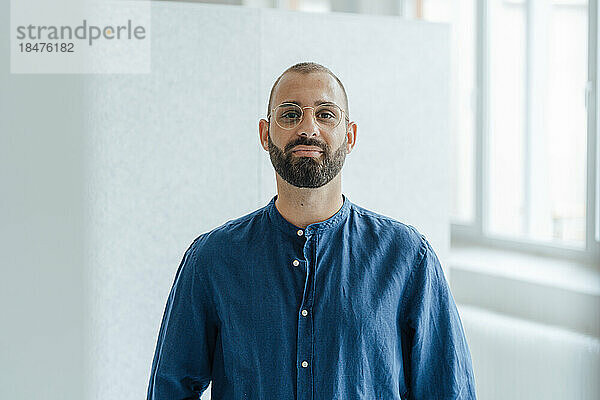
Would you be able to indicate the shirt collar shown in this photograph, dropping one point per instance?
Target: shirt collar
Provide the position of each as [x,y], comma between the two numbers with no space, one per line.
[277,219]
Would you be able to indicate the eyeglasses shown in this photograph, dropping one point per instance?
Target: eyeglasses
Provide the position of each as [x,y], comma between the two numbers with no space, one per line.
[290,115]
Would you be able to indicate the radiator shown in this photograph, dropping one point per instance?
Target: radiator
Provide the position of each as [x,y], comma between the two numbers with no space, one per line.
[518,359]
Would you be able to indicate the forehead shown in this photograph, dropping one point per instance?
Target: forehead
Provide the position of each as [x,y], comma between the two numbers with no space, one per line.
[308,88]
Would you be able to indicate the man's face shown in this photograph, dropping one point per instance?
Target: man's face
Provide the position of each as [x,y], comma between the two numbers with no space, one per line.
[316,166]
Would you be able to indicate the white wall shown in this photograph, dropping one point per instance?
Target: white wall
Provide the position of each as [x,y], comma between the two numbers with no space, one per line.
[131,168]
[41,226]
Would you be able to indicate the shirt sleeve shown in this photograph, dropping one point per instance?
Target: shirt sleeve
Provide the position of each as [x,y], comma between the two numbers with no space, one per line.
[438,362]
[181,368]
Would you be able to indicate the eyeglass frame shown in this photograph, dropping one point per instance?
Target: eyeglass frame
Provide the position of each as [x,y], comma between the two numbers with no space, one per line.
[302,118]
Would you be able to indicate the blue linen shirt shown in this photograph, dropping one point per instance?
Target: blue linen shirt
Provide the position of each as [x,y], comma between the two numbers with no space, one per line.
[354,307]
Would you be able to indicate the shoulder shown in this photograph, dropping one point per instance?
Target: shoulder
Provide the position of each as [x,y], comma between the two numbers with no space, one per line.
[238,230]
[386,228]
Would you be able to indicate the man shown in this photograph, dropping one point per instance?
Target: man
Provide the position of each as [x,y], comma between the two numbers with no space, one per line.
[311,296]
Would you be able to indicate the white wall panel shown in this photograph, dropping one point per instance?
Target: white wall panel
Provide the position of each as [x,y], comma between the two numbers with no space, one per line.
[169,155]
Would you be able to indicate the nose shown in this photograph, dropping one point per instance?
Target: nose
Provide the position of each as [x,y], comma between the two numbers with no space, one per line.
[308,126]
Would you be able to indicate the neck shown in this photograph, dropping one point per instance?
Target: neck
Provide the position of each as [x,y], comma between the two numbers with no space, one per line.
[305,206]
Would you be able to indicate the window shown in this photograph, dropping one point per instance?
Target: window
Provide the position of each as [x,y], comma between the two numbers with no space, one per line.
[525,170]
[538,120]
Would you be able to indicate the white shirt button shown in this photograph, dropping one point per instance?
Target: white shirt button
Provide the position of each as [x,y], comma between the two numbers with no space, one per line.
[300,232]
[304,313]
[295,263]
[304,364]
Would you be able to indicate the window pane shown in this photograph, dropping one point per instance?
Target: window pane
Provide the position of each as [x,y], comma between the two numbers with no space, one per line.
[559,121]
[538,160]
[506,54]
[461,15]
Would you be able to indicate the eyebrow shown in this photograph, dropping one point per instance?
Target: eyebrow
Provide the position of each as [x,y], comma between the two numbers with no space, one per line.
[316,103]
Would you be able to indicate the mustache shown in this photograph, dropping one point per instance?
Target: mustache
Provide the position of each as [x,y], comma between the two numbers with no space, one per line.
[303,141]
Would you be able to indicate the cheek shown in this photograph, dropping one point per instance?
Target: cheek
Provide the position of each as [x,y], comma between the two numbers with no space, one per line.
[340,141]
[280,141]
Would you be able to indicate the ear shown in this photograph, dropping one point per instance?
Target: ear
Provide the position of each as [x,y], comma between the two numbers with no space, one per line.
[351,136]
[263,133]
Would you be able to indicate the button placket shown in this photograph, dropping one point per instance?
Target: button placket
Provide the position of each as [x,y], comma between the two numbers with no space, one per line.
[305,341]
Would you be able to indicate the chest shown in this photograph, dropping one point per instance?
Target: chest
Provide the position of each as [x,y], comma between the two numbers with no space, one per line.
[344,287]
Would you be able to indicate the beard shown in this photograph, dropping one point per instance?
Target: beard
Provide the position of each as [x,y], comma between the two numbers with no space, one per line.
[307,172]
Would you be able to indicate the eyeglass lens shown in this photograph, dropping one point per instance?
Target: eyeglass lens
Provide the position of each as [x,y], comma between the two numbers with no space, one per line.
[289,115]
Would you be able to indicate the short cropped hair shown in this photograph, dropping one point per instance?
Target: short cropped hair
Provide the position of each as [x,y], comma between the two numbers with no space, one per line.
[307,68]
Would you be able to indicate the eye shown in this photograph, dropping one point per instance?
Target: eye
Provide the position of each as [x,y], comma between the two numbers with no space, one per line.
[325,114]
[292,114]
